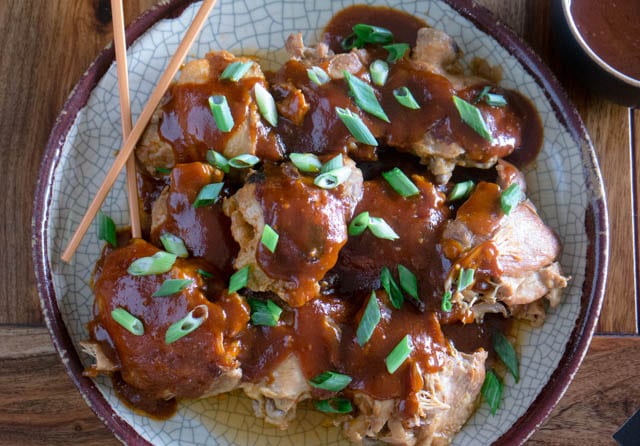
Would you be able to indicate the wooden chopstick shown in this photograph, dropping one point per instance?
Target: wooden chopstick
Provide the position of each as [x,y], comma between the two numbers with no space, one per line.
[136,132]
[120,44]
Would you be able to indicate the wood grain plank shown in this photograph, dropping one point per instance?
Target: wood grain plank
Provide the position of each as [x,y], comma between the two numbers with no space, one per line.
[635,140]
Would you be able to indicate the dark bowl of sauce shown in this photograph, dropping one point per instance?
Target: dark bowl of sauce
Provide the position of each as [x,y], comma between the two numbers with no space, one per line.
[602,39]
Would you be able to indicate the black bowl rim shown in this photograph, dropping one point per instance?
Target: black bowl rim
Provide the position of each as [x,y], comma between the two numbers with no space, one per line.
[596,223]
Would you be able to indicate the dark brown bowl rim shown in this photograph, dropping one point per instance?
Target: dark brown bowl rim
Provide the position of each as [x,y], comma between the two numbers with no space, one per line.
[596,223]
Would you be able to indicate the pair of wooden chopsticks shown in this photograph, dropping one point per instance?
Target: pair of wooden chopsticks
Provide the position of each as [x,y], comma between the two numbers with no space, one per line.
[131,136]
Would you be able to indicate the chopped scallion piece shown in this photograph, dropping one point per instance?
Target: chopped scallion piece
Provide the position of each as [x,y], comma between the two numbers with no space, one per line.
[507,353]
[269,238]
[391,287]
[174,245]
[107,229]
[405,98]
[369,321]
[221,113]
[333,178]
[306,162]
[264,313]
[187,324]
[381,229]
[334,405]
[399,354]
[400,182]
[495,100]
[372,34]
[163,170]
[492,391]
[172,286]
[244,161]
[236,70]
[510,198]
[379,71]
[208,195]
[317,75]
[131,323]
[239,279]
[470,115]
[396,51]
[356,127]
[218,160]
[266,104]
[461,190]
[204,273]
[359,224]
[159,263]
[465,278]
[446,301]
[364,96]
[331,381]
[334,163]
[408,281]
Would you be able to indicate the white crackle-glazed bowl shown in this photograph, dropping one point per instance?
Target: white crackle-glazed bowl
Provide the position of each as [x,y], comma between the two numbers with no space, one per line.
[564,184]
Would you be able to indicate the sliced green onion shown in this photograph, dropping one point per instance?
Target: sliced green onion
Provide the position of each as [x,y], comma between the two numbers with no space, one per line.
[510,198]
[507,353]
[405,98]
[470,115]
[401,183]
[204,273]
[391,287]
[131,323]
[163,170]
[159,263]
[461,190]
[356,127]
[446,302]
[372,34]
[266,104]
[236,70]
[244,161]
[399,354]
[359,224]
[221,113]
[174,245]
[334,163]
[364,96]
[396,51]
[408,281]
[495,100]
[172,286]
[269,238]
[187,324]
[239,279]
[107,229]
[333,178]
[331,381]
[379,71]
[334,405]
[306,162]
[317,75]
[218,160]
[465,278]
[381,229]
[208,195]
[264,313]
[351,41]
[492,391]
[369,321]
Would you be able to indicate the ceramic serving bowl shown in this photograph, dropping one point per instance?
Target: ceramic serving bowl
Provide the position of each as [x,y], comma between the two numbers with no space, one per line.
[564,183]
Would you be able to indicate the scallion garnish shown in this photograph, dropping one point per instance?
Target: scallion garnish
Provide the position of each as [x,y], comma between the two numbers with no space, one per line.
[333,178]
[163,170]
[470,115]
[221,113]
[408,281]
[400,182]
[264,313]
[107,229]
[187,324]
[369,321]
[218,160]
[174,245]
[465,278]
[159,263]
[306,162]
[359,224]
[399,354]
[131,323]
[204,273]
[495,100]
[396,51]
[208,195]
[364,96]
[364,34]
[446,301]
[172,286]
[334,163]
[239,279]
[317,75]
[405,98]
[379,71]
[391,287]
[269,238]
[461,190]
[334,405]
[244,161]
[356,127]
[331,381]
[492,390]
[236,70]
[381,229]
[506,353]
[510,198]
[266,104]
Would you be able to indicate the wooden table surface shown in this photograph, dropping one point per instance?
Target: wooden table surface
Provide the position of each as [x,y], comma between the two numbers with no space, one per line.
[46,47]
